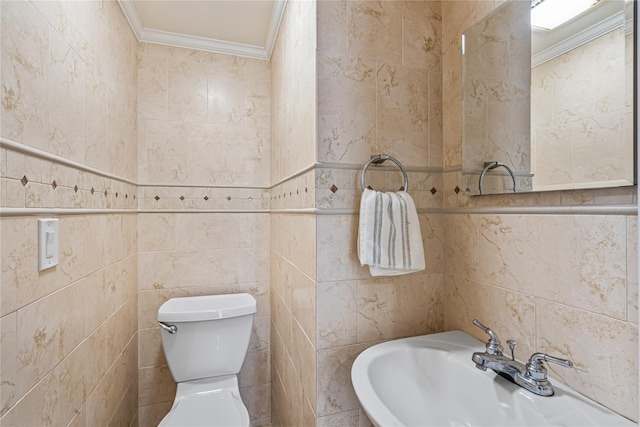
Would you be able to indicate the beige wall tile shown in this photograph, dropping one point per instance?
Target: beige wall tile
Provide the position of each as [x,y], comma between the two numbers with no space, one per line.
[391,308]
[574,260]
[257,399]
[337,314]
[632,269]
[48,330]
[337,255]
[346,108]
[375,30]
[335,392]
[151,415]
[25,59]
[461,245]
[604,350]
[39,407]
[510,314]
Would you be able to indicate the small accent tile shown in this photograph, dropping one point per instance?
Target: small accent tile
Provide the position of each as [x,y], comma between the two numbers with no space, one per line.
[157,198]
[228,198]
[457,189]
[433,190]
[75,188]
[54,184]
[105,193]
[24,180]
[206,198]
[182,198]
[333,188]
[92,191]
[116,194]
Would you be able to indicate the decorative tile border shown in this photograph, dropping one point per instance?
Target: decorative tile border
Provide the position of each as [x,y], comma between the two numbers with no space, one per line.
[153,198]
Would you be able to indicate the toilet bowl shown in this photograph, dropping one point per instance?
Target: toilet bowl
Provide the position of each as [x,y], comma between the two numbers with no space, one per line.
[205,341]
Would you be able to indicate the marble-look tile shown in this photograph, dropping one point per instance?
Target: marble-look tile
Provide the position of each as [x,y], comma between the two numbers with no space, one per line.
[150,348]
[341,419]
[156,385]
[304,356]
[303,306]
[435,119]
[398,307]
[510,314]
[82,30]
[346,108]
[121,327]
[604,351]
[39,407]
[260,338]
[335,391]
[422,34]
[151,415]
[375,30]
[72,386]
[96,125]
[337,314]
[461,245]
[632,269]
[25,75]
[574,260]
[433,240]
[152,87]
[66,100]
[209,231]
[256,369]
[258,402]
[48,330]
[103,402]
[9,362]
[294,238]
[332,26]
[402,128]
[337,254]
[165,270]
[187,92]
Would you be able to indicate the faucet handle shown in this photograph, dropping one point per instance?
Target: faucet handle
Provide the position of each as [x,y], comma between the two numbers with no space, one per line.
[493,345]
[535,368]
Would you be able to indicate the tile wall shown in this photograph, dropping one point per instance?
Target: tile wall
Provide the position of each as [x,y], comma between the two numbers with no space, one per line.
[204,144]
[379,91]
[68,340]
[584,114]
[561,284]
[293,227]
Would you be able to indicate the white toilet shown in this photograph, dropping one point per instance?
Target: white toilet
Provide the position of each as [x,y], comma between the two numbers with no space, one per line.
[205,341]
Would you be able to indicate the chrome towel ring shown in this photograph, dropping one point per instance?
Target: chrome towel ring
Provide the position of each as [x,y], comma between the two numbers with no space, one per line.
[377,159]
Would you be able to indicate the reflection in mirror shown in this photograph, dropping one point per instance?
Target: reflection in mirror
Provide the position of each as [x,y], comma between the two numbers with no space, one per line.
[552,100]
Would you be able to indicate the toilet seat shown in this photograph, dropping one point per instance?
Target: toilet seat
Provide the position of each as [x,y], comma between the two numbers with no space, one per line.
[217,408]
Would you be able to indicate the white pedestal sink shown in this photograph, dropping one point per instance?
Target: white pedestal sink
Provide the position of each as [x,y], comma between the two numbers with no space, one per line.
[430,380]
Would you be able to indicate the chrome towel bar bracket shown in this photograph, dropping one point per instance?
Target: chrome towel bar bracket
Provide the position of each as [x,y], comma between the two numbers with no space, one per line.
[378,159]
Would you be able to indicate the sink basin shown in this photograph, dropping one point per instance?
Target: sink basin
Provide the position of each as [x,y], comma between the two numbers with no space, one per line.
[430,380]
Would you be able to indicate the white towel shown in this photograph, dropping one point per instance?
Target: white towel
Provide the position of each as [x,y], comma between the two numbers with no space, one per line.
[389,238]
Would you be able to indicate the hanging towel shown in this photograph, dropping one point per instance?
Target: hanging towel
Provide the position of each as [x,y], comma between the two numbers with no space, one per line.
[389,238]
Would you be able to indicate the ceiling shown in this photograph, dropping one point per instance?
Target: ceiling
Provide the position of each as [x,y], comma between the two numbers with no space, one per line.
[235,27]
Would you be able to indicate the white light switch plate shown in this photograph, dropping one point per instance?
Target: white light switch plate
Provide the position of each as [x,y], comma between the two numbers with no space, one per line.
[47,243]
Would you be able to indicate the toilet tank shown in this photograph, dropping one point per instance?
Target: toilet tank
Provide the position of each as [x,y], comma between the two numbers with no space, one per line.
[212,334]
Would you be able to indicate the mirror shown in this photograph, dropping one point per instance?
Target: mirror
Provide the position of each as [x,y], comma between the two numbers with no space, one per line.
[548,105]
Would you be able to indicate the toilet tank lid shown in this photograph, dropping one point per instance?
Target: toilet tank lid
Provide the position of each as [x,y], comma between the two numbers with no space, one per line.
[209,307]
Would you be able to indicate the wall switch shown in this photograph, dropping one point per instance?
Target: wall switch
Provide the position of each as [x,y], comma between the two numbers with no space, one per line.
[47,243]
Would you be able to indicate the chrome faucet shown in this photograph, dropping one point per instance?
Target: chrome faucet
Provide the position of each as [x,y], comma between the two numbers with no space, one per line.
[531,376]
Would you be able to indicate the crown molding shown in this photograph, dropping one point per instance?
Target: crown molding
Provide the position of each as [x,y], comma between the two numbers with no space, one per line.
[585,36]
[149,35]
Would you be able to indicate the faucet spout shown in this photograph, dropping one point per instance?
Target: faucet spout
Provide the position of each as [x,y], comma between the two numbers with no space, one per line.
[500,364]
